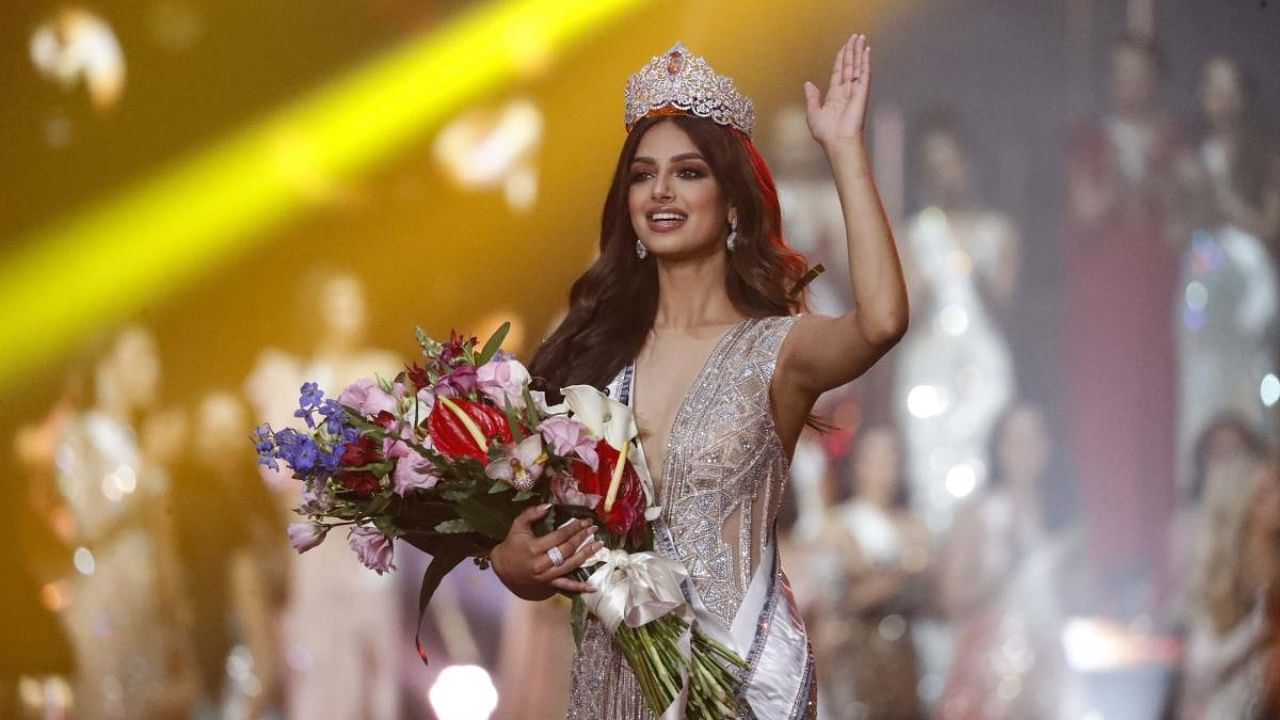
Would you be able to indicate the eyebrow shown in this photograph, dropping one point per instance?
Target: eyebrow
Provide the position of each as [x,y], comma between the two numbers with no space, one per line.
[674,158]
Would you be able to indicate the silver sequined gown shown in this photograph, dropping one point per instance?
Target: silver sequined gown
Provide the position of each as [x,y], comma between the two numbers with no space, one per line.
[723,478]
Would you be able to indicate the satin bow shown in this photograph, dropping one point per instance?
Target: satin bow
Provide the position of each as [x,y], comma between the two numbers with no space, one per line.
[635,588]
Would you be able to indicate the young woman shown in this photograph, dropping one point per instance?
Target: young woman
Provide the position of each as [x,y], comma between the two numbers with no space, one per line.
[880,553]
[689,315]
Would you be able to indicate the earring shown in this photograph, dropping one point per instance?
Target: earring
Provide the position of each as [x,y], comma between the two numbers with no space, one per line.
[641,251]
[731,242]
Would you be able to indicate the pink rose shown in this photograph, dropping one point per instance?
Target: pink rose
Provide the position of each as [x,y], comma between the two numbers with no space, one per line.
[368,398]
[568,437]
[412,471]
[305,535]
[502,379]
[373,548]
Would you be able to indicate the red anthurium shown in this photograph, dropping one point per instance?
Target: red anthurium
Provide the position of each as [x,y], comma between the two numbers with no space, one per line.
[452,438]
[626,517]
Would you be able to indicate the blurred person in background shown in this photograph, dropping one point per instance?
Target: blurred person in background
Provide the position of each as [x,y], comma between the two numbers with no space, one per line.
[123,608]
[954,371]
[1231,639]
[1226,439]
[343,630]
[231,532]
[877,556]
[1121,270]
[1003,584]
[1229,311]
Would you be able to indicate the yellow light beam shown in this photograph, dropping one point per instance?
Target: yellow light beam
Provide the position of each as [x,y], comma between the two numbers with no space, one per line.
[107,260]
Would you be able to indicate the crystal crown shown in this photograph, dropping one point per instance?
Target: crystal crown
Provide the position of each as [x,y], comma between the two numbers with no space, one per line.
[678,80]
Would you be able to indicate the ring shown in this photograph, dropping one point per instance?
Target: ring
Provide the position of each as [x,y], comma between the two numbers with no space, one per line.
[557,558]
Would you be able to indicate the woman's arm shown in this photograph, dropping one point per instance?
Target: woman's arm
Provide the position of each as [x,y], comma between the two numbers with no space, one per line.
[825,352]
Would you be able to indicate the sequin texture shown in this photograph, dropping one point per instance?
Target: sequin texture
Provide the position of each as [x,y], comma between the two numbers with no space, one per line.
[722,479]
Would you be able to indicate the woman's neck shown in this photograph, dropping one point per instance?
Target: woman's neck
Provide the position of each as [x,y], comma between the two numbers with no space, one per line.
[691,294]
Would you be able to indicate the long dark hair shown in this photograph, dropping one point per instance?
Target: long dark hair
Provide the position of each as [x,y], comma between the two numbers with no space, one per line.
[612,306]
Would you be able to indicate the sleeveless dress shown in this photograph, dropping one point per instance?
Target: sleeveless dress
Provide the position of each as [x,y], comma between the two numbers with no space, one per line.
[723,479]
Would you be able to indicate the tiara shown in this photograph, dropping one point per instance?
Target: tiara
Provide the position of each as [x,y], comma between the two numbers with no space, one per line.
[680,80]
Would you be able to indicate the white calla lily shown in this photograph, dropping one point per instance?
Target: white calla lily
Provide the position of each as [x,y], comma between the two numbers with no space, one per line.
[620,428]
[589,407]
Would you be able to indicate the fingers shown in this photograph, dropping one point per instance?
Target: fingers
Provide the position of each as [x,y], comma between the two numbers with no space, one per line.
[866,67]
[846,61]
[811,100]
[836,68]
[572,562]
[569,585]
[559,535]
[574,545]
[525,519]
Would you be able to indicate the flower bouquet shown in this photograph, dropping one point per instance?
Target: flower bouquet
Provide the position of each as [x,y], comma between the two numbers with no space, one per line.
[447,454]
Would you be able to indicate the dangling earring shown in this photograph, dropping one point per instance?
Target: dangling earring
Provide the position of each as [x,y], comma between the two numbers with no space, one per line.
[642,252]
[731,242]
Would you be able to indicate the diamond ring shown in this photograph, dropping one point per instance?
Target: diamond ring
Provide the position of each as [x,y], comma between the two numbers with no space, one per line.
[557,558]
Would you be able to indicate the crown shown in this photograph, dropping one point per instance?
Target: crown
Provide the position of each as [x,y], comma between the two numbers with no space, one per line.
[680,80]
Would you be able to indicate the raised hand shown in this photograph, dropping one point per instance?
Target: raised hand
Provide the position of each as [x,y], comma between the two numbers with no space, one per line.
[840,116]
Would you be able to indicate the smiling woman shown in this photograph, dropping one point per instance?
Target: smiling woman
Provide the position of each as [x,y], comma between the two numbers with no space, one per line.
[666,199]
[689,316]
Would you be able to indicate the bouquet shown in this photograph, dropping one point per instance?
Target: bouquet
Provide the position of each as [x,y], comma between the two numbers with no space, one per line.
[447,454]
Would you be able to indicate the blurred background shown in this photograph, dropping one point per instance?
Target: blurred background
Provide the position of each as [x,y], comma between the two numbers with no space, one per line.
[1057,498]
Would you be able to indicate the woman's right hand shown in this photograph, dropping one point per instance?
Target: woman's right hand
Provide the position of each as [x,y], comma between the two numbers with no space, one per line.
[522,563]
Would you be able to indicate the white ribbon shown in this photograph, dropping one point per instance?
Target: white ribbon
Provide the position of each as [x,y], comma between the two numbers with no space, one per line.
[635,588]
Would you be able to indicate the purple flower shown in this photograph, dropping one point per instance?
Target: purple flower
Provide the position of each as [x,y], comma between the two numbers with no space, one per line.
[501,380]
[412,471]
[459,381]
[568,437]
[521,463]
[368,398]
[305,535]
[373,548]
[311,395]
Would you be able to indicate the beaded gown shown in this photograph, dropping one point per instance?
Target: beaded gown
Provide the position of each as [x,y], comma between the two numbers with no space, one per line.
[723,478]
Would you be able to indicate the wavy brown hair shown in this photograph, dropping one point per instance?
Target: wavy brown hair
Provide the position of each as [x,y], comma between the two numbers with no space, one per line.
[613,304]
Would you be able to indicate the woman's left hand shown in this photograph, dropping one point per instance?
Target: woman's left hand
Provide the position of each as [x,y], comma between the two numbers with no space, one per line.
[839,118]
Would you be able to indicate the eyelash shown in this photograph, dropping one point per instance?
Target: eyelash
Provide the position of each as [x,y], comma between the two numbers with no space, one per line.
[693,174]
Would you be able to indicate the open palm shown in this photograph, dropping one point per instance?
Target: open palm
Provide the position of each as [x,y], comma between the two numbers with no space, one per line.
[839,116]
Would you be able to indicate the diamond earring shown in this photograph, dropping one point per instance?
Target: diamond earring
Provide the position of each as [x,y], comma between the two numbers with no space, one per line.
[641,251]
[731,242]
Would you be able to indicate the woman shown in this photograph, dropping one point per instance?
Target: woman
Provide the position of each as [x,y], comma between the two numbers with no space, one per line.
[1121,270]
[1002,588]
[954,370]
[688,315]
[880,552]
[1230,310]
[1230,640]
[123,611]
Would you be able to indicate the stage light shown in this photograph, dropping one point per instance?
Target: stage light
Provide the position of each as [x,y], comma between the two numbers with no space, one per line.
[76,47]
[463,692]
[105,262]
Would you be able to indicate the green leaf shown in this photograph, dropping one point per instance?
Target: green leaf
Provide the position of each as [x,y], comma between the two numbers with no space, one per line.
[485,518]
[451,527]
[578,620]
[524,495]
[440,566]
[494,343]
[424,340]
[517,435]
[384,383]
[498,487]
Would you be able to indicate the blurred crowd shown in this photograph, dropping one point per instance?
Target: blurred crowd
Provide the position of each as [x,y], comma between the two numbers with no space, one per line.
[962,553]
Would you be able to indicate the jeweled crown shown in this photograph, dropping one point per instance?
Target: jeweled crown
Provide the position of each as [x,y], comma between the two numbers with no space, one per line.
[680,80]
